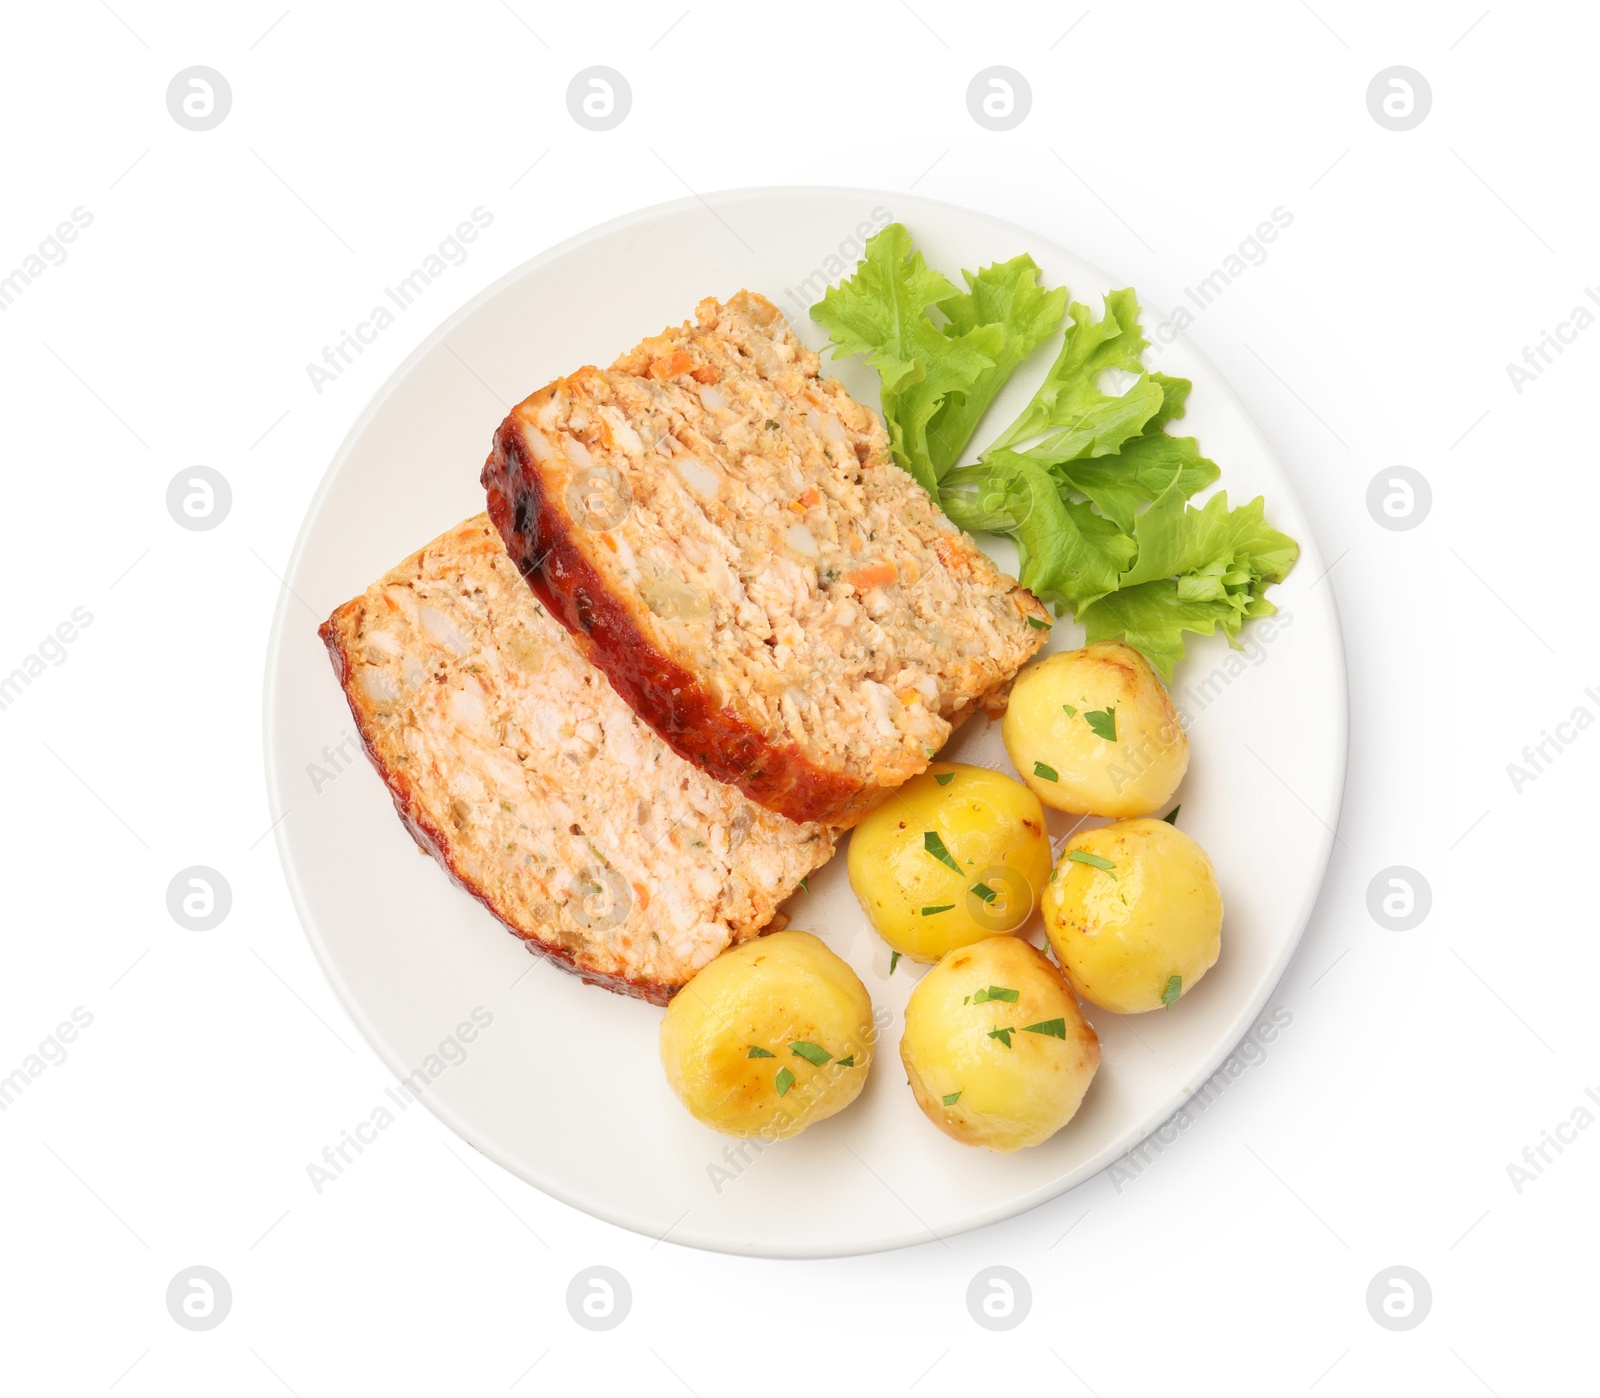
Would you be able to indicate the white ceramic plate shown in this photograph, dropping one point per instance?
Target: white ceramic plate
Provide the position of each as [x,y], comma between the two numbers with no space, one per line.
[564,1088]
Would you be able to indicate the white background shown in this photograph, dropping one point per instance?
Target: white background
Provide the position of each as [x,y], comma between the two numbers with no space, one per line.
[1418,1065]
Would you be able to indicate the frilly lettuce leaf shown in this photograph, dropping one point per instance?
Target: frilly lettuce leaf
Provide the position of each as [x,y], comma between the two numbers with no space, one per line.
[1067,554]
[1007,294]
[1087,420]
[1142,470]
[1088,482]
[1146,466]
[1200,569]
[881,314]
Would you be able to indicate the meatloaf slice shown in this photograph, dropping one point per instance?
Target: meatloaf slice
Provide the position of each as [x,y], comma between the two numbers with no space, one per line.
[724,532]
[519,769]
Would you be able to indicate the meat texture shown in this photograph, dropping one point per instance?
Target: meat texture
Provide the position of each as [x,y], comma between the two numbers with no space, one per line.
[725,534]
[515,763]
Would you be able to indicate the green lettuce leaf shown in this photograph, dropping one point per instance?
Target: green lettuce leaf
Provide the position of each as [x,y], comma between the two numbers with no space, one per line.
[1090,484]
[1141,471]
[1182,539]
[1007,294]
[1068,555]
[880,313]
[1199,569]
[1086,420]
[1146,466]
[1152,619]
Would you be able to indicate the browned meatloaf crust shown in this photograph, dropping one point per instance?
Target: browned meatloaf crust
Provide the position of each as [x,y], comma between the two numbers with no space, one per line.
[724,532]
[518,768]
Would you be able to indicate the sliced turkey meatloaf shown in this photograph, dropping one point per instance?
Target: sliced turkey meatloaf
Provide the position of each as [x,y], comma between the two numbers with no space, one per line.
[516,765]
[726,535]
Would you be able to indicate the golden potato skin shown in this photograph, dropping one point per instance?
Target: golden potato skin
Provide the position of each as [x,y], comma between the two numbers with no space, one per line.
[991,825]
[1122,933]
[1045,724]
[770,993]
[1008,1097]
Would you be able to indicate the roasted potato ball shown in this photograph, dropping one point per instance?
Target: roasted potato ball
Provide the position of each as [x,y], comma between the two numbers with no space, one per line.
[1093,732]
[773,1035]
[997,1051]
[955,855]
[1134,915]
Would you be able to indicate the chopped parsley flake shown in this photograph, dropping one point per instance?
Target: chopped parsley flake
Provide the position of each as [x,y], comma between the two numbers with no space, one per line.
[1038,625]
[983,891]
[1055,1028]
[1004,1035]
[1104,723]
[756,1052]
[1069,711]
[935,846]
[784,1081]
[1171,816]
[894,957]
[804,885]
[944,778]
[1082,856]
[812,1053]
[849,1062]
[1050,774]
[951,1098]
[940,908]
[1169,996]
[995,992]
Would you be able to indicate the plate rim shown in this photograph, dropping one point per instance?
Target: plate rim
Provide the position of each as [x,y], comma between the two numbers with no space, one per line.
[618,1214]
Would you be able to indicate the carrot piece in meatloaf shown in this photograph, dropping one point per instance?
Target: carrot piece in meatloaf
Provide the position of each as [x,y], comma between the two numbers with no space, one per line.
[725,534]
[516,765]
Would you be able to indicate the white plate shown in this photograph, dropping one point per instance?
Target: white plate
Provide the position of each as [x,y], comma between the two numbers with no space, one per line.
[564,1087]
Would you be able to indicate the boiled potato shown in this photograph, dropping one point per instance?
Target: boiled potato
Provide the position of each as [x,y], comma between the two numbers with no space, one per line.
[955,855]
[997,1051]
[1134,915]
[773,1035]
[1093,732]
